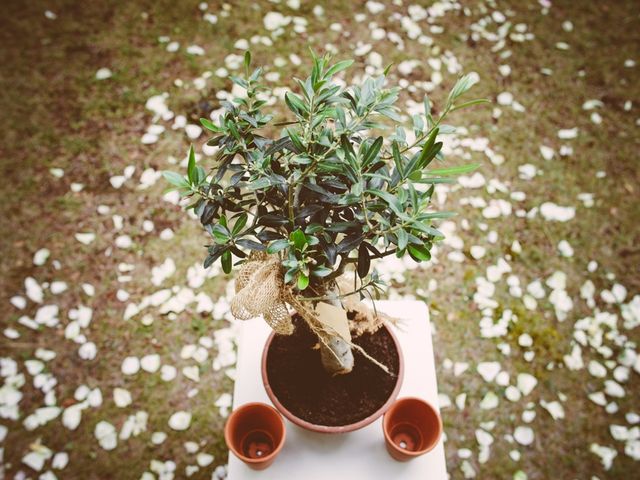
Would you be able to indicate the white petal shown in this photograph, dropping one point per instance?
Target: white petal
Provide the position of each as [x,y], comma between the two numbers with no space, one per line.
[192,373]
[150,363]
[121,397]
[130,365]
[488,370]
[204,459]
[105,433]
[524,435]
[168,373]
[180,420]
[41,256]
[60,460]
[85,238]
[489,401]
[526,383]
[555,409]
[103,74]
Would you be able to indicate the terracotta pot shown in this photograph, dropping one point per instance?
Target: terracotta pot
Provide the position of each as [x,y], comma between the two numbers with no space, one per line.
[332,428]
[412,427]
[255,433]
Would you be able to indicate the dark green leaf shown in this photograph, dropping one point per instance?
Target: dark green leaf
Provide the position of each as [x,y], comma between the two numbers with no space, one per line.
[277,245]
[226,261]
[391,200]
[349,243]
[372,152]
[321,271]
[309,210]
[273,220]
[241,221]
[364,261]
[295,104]
[259,184]
[250,244]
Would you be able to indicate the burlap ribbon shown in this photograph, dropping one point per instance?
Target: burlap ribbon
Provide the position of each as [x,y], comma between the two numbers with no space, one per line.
[260,290]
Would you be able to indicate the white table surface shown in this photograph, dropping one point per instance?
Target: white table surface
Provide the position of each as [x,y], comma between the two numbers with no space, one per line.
[359,455]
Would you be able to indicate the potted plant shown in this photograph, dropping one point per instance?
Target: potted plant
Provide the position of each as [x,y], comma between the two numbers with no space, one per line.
[299,204]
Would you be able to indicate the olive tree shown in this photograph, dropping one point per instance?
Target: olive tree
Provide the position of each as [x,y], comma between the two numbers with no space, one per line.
[339,187]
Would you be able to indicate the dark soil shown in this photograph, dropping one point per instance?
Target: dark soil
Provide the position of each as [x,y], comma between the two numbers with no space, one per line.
[299,381]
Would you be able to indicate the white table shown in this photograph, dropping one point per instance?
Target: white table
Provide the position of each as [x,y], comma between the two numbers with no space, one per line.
[359,455]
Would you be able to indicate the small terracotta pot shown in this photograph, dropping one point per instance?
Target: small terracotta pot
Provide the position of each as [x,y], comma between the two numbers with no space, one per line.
[412,427]
[333,428]
[255,433]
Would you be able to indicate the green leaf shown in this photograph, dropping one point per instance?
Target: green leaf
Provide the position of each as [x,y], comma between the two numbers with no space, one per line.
[175,179]
[470,103]
[259,184]
[298,238]
[427,229]
[241,82]
[338,67]
[372,152]
[432,215]
[444,172]
[461,86]
[225,260]
[403,239]
[428,152]
[321,271]
[247,61]
[296,140]
[241,221]
[393,202]
[295,104]
[220,233]
[191,168]
[209,125]
[277,245]
[349,243]
[427,107]
[419,253]
[290,274]
[397,158]
[303,281]
[251,244]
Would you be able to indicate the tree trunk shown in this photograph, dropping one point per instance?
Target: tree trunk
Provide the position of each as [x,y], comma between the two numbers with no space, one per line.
[335,353]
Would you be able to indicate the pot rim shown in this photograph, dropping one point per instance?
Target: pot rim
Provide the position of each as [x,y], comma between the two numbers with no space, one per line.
[249,460]
[409,453]
[333,428]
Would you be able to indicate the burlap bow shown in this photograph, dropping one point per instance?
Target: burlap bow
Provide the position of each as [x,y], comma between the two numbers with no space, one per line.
[260,290]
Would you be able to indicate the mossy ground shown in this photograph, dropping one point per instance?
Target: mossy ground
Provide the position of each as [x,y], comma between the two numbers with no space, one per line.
[55,114]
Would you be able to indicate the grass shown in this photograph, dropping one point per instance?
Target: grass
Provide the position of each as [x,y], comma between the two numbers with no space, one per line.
[56,115]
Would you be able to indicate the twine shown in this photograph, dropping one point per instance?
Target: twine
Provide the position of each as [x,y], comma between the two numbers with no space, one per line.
[260,290]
